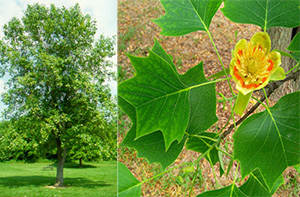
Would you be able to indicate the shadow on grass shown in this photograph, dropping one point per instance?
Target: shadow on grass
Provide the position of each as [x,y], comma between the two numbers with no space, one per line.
[21,181]
[74,165]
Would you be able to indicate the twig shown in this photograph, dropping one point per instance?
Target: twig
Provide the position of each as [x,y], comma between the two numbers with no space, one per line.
[269,90]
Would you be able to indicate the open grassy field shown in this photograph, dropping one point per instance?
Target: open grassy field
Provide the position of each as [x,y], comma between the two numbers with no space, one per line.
[19,179]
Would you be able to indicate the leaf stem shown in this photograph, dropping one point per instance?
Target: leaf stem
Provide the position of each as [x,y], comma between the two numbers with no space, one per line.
[219,57]
[234,179]
[203,84]
[284,53]
[231,114]
[203,136]
[217,52]
[292,68]
[267,100]
[266,16]
[226,153]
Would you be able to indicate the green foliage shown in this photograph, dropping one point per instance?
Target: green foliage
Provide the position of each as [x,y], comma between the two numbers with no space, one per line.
[128,185]
[151,146]
[253,187]
[295,43]
[185,16]
[169,110]
[294,47]
[17,145]
[256,186]
[264,13]
[93,148]
[57,71]
[204,142]
[269,141]
[159,89]
[230,190]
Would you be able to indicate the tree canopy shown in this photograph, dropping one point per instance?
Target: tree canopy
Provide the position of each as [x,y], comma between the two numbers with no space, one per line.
[57,76]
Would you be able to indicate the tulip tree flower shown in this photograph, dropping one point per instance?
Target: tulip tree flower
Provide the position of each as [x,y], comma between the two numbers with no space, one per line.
[252,66]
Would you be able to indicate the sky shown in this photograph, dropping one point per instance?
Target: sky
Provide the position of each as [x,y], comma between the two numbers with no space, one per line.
[103,11]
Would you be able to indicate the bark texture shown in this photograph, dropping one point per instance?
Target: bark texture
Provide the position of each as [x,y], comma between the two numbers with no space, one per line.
[80,162]
[281,38]
[61,157]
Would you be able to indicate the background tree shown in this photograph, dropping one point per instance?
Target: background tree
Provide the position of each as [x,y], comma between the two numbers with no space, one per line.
[17,145]
[281,38]
[57,74]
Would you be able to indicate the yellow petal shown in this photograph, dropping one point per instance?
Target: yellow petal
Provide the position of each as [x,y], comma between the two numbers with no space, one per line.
[278,74]
[262,39]
[241,45]
[276,59]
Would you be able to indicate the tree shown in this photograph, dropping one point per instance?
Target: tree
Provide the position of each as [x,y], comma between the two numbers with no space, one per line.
[17,145]
[87,148]
[57,76]
[95,147]
[281,38]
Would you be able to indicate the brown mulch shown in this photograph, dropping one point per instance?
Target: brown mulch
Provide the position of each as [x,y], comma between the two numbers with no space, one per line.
[136,36]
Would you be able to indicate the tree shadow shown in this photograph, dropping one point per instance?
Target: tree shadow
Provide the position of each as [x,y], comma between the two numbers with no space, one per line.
[21,181]
[74,165]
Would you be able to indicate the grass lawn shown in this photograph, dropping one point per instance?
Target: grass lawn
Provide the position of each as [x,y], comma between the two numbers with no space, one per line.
[19,179]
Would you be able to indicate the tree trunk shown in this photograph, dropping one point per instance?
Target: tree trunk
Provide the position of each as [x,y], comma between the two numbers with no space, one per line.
[80,162]
[281,38]
[61,156]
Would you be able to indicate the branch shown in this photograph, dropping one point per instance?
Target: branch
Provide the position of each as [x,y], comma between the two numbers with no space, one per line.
[269,89]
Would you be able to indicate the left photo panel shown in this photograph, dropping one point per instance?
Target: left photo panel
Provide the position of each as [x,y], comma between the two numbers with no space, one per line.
[58,106]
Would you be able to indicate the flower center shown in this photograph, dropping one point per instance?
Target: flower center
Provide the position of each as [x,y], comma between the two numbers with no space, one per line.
[252,66]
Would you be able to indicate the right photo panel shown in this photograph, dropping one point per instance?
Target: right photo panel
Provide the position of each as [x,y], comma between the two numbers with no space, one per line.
[208,96]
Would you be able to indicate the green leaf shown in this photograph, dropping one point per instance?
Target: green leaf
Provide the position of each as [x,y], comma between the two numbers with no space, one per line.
[128,185]
[219,74]
[295,43]
[202,100]
[229,166]
[185,16]
[203,142]
[152,146]
[230,190]
[264,13]
[256,186]
[258,143]
[222,167]
[296,56]
[160,97]
[294,47]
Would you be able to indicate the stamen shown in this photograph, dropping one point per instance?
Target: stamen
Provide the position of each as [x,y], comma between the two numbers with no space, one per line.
[240,52]
[254,50]
[271,65]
